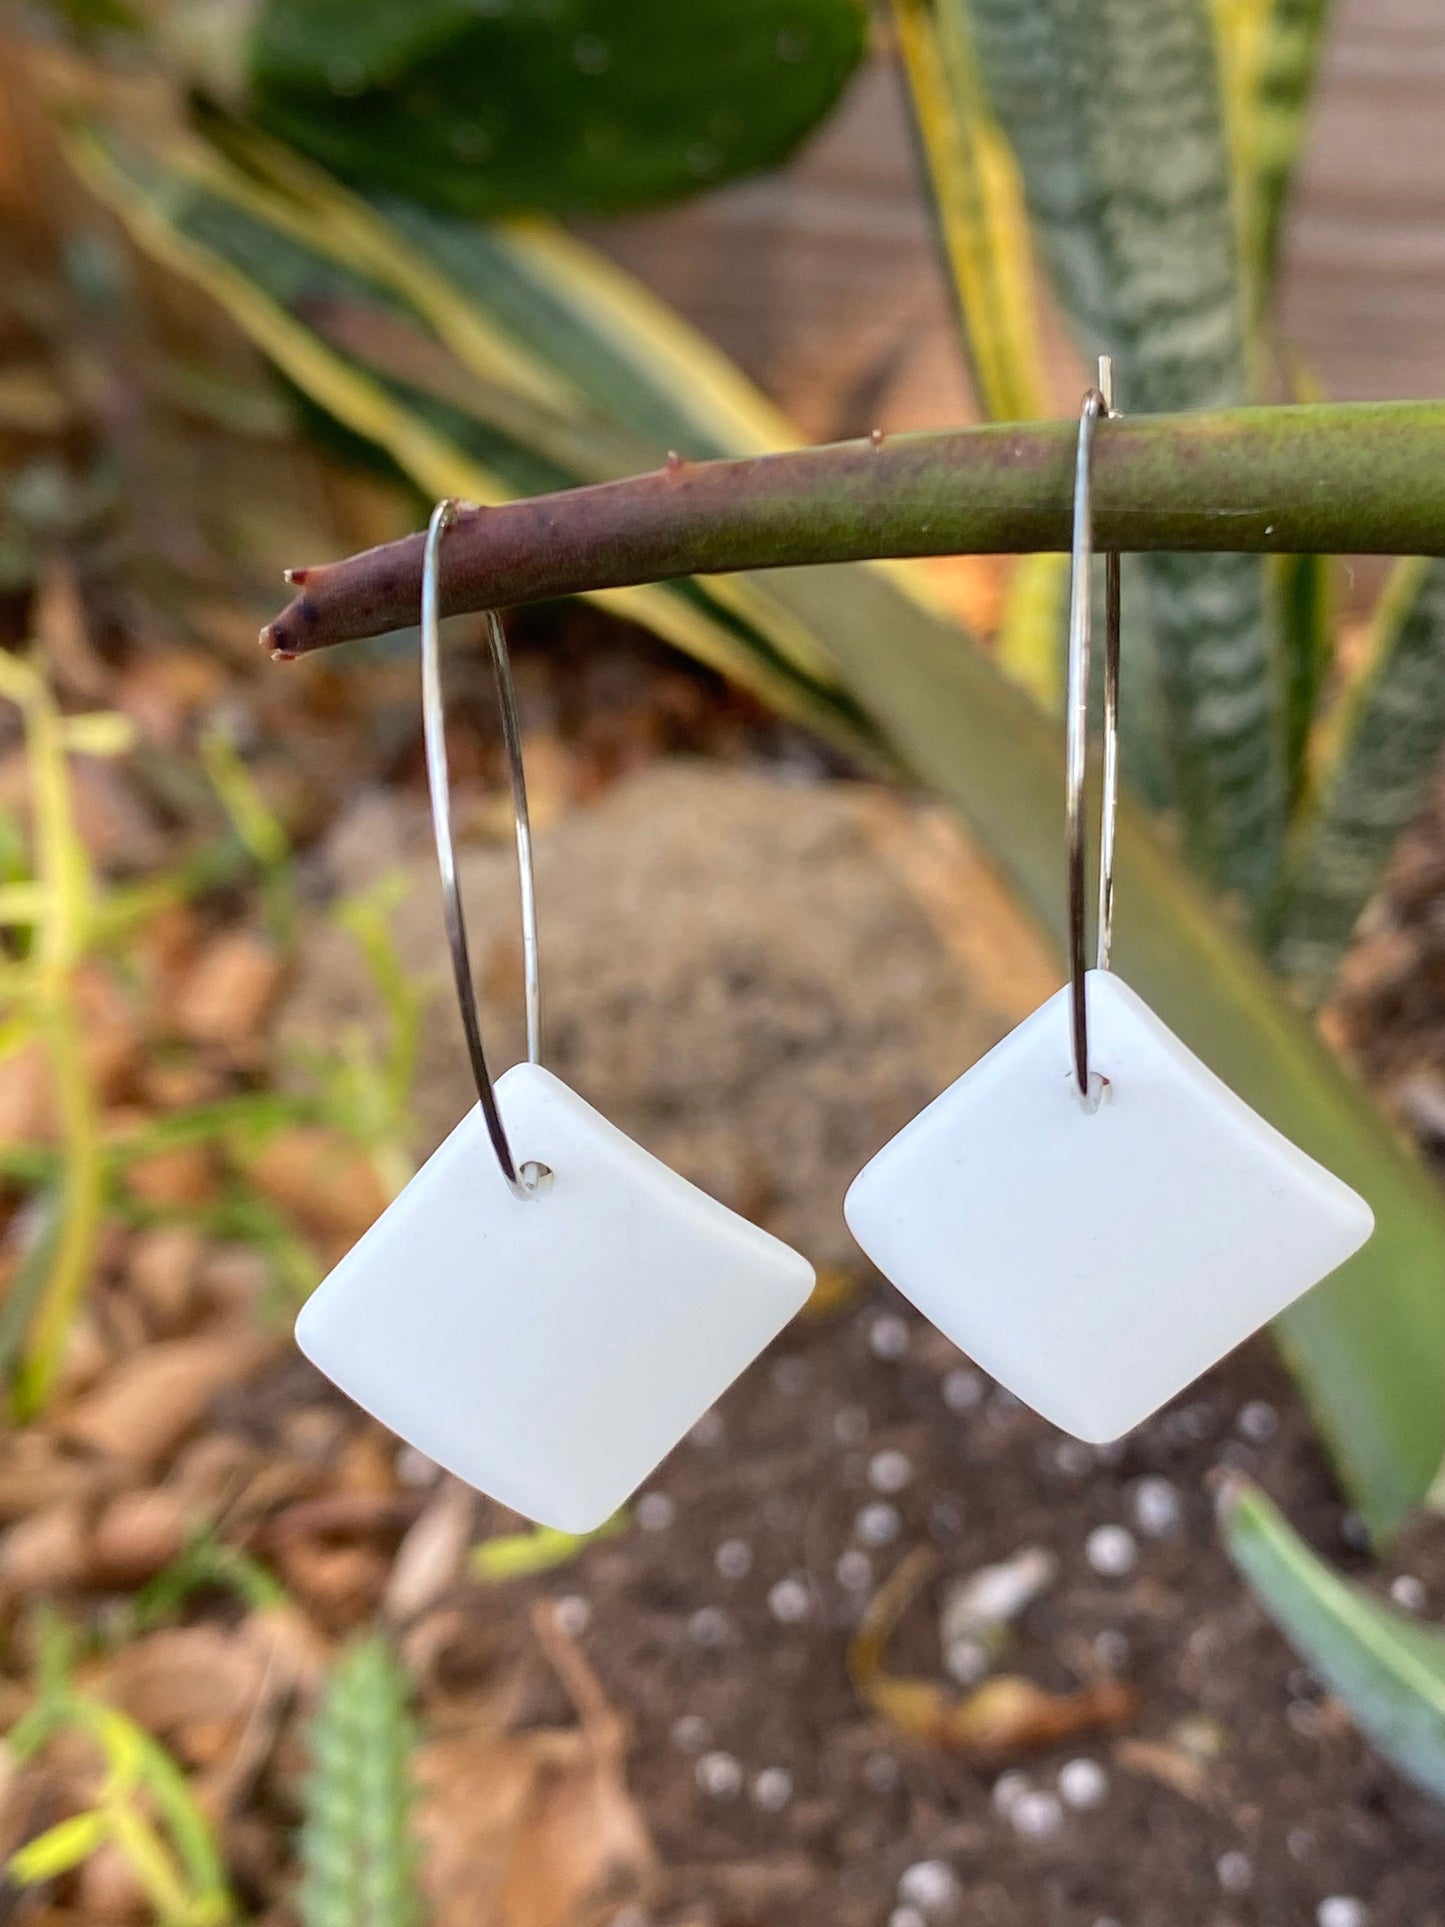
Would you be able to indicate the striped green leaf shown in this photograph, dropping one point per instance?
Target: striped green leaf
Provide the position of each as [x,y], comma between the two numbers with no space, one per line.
[1378,758]
[1113,108]
[1388,1669]
[272,256]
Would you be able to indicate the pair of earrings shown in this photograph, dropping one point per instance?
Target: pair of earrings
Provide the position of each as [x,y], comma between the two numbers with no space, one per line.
[1088,1212]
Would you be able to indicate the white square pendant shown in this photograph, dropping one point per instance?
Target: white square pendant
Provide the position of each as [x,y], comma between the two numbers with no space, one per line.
[1096,1261]
[550,1350]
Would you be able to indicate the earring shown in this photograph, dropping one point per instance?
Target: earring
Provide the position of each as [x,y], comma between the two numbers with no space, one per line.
[546,1308]
[1089,1212]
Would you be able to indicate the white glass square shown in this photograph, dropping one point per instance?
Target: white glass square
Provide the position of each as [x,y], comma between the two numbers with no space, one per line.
[1095,1262]
[551,1350]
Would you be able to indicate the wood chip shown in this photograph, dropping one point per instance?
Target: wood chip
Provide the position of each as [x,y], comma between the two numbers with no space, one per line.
[27,1113]
[43,1554]
[326,1184]
[229,990]
[186,1174]
[534,1829]
[135,1535]
[161,1270]
[1000,1719]
[151,1401]
[429,1560]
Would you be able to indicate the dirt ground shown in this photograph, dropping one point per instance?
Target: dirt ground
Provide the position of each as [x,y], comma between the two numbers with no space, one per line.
[1233,1794]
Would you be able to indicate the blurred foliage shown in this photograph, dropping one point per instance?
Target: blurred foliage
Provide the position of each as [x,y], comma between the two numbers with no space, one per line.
[521,1555]
[359,1857]
[63,921]
[531,106]
[144,1806]
[57,913]
[206,1564]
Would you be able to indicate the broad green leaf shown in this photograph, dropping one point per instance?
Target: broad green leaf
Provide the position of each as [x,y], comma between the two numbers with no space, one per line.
[1034,612]
[1369,1345]
[1113,109]
[1387,1668]
[556,106]
[1378,758]
[984,233]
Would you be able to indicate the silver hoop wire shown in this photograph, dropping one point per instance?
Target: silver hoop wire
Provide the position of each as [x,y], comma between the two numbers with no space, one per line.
[526,1180]
[1097,402]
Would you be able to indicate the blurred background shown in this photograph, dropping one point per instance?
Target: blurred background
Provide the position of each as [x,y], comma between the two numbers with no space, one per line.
[875,1645]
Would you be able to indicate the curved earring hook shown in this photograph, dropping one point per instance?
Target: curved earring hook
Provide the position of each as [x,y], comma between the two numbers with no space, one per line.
[1097,402]
[525,1181]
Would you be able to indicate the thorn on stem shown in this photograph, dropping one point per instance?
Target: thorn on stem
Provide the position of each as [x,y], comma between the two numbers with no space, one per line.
[674,461]
[875,437]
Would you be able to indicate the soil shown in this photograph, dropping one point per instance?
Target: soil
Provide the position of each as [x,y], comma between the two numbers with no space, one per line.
[1234,1795]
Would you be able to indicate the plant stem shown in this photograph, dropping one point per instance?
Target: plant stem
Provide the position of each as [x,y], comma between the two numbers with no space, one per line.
[1356,478]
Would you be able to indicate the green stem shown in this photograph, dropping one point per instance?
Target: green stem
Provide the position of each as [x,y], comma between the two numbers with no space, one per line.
[1356,478]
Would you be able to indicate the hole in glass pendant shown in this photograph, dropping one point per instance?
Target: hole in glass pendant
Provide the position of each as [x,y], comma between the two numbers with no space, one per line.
[1097,1092]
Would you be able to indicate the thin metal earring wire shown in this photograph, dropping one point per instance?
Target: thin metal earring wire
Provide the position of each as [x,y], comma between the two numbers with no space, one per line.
[1098,401]
[524,1182]
[1109,806]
